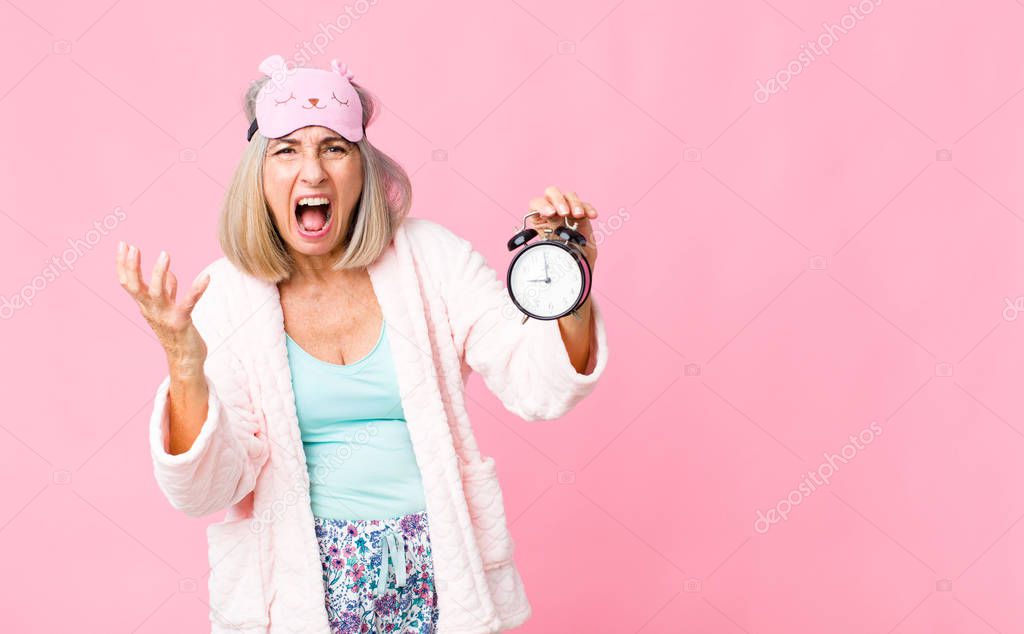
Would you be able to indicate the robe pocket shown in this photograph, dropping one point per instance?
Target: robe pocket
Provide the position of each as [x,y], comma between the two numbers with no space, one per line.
[487,511]
[236,581]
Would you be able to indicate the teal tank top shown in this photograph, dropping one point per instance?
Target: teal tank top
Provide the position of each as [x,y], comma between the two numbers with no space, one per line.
[358,452]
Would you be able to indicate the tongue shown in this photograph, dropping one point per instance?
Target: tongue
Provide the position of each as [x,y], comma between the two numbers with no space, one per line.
[313,218]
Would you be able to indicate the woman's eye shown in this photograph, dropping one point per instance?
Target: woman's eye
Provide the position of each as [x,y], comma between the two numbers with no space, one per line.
[287,149]
[337,147]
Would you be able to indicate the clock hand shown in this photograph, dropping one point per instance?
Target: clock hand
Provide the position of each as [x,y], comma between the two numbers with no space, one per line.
[547,278]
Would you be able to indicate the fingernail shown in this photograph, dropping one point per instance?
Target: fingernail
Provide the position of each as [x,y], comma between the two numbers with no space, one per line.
[120,246]
[163,257]
[131,250]
[577,210]
[550,209]
[563,209]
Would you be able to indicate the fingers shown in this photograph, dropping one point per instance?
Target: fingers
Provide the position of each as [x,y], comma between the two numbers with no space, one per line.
[575,205]
[133,281]
[557,199]
[163,282]
[555,205]
[159,275]
[122,273]
[543,206]
[562,203]
[199,287]
[171,287]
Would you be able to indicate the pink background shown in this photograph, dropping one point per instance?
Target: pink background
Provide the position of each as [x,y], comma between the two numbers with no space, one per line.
[776,277]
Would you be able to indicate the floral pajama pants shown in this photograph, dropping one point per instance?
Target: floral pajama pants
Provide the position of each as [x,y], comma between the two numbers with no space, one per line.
[378,575]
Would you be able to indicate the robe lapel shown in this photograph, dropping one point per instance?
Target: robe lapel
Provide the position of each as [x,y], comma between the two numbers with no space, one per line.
[294,525]
[463,596]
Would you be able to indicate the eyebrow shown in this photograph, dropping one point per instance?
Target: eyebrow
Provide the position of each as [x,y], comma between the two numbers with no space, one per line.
[326,139]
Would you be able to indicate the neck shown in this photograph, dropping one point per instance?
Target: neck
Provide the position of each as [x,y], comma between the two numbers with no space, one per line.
[314,270]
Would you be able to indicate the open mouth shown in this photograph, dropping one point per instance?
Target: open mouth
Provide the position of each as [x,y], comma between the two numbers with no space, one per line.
[313,215]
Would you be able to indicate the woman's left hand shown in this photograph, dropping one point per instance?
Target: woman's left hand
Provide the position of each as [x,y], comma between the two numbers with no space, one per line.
[555,205]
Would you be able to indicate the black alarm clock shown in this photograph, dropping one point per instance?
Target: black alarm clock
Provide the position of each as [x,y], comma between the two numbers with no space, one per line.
[550,278]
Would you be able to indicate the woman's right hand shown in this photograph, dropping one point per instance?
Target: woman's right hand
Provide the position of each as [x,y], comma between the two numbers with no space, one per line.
[172,322]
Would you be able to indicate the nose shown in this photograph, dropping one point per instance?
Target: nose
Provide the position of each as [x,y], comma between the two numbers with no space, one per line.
[314,101]
[312,172]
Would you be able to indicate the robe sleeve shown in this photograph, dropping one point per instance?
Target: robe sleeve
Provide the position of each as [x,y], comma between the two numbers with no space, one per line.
[525,365]
[221,466]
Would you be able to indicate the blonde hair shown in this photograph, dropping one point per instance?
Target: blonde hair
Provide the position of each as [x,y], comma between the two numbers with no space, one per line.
[246,228]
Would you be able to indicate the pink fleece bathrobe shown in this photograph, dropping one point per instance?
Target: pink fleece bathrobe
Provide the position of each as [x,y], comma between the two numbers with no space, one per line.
[448,314]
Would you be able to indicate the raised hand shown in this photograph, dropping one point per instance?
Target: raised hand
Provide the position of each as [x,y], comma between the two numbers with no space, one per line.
[555,205]
[170,321]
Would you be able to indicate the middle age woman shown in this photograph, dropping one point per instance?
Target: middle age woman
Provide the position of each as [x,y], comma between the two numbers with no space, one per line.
[340,327]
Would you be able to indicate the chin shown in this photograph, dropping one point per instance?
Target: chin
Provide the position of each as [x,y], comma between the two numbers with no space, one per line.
[323,246]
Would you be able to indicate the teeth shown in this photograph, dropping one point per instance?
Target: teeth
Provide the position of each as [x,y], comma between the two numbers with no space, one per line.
[314,201]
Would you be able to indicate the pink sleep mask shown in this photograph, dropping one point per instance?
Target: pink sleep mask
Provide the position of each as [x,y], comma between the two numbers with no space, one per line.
[298,97]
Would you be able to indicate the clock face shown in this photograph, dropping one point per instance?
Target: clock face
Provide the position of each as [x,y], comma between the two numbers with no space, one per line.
[546,280]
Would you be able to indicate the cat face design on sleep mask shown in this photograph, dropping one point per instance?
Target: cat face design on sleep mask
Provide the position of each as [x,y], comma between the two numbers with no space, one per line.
[298,97]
